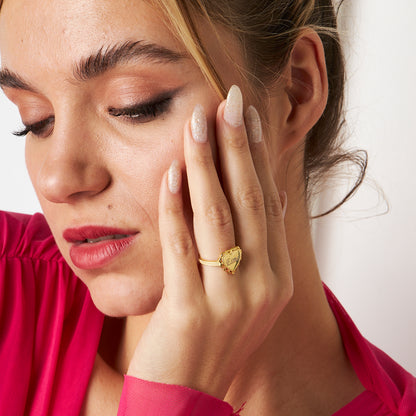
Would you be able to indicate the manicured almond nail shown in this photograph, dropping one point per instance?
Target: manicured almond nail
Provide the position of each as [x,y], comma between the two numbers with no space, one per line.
[199,124]
[233,111]
[283,201]
[174,177]
[253,122]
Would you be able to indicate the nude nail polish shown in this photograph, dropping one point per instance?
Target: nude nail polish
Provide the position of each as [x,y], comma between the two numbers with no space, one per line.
[174,177]
[199,124]
[233,112]
[253,122]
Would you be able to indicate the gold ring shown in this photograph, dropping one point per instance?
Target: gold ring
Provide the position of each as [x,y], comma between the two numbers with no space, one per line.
[229,260]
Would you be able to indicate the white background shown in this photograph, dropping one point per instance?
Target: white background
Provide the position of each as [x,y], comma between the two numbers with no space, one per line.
[368,259]
[371,263]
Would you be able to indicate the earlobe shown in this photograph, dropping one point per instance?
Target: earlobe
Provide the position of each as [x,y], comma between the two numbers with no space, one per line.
[306,87]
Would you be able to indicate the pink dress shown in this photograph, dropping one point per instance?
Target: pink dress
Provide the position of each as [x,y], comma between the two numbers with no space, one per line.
[50,330]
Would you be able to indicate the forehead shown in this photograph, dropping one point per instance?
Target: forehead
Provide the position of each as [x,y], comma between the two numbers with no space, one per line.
[53,34]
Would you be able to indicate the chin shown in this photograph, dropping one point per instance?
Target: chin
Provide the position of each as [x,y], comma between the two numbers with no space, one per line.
[120,295]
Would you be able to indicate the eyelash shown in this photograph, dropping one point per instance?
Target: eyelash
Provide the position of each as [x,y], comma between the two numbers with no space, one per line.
[142,113]
[36,128]
[139,113]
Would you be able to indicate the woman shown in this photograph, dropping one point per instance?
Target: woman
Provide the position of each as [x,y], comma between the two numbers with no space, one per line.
[146,176]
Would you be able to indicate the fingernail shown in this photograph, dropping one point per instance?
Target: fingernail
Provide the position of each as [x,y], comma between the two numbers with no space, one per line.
[233,112]
[174,177]
[199,124]
[253,122]
[283,201]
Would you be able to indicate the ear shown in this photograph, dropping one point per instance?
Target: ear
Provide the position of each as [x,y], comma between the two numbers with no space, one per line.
[306,89]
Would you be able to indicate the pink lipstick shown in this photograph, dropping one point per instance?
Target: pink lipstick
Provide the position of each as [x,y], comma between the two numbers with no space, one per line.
[93,247]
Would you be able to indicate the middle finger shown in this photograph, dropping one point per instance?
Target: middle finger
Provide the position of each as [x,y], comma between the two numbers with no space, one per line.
[239,177]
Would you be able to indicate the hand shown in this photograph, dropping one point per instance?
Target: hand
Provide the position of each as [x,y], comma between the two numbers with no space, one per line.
[209,322]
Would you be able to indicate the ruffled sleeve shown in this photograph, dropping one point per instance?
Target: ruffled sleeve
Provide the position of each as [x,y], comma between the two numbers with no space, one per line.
[49,327]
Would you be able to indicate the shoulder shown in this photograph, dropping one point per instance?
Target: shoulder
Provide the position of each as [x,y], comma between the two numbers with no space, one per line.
[49,326]
[33,272]
[366,404]
[26,236]
[31,265]
[395,385]
[390,389]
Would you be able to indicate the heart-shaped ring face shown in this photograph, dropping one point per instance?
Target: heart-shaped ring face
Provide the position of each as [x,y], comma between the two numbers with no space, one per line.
[230,259]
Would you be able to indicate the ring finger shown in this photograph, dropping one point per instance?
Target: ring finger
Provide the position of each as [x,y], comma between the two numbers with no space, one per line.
[240,179]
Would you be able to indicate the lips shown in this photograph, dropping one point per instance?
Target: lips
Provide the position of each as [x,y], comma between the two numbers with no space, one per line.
[94,247]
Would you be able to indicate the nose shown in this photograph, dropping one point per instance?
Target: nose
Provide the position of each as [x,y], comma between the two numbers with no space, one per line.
[72,169]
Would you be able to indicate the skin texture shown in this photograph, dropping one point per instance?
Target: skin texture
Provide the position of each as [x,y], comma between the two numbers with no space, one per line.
[232,337]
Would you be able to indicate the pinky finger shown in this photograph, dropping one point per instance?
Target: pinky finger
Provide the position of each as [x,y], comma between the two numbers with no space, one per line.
[180,269]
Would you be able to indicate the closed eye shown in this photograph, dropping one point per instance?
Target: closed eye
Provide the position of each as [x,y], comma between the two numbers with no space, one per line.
[39,128]
[144,112]
[136,114]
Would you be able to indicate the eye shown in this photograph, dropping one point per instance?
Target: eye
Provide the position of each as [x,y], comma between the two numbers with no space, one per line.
[40,129]
[143,112]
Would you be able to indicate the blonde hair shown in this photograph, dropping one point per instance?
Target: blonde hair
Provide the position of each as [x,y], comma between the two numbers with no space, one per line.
[267,31]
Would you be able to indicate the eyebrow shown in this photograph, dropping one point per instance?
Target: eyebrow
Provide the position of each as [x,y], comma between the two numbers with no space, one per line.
[106,58]
[9,79]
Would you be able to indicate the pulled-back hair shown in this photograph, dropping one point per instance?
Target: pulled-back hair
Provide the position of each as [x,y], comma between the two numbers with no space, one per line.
[268,30]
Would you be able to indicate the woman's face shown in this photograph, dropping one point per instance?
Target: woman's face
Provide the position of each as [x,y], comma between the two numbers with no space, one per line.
[107,90]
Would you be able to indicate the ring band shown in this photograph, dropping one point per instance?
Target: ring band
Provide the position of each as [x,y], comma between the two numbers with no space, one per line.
[229,260]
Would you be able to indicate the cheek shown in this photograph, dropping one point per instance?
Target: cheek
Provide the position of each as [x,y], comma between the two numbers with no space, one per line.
[138,172]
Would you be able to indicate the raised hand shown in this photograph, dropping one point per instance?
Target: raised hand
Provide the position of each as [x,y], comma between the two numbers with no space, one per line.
[208,322]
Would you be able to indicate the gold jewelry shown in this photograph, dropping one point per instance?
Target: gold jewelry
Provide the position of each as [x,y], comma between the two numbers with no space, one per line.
[229,260]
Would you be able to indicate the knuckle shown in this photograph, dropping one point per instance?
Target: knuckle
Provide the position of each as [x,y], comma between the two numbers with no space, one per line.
[270,294]
[273,205]
[285,292]
[174,210]
[219,215]
[279,295]
[237,142]
[181,243]
[202,160]
[188,319]
[232,311]
[262,298]
[251,198]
